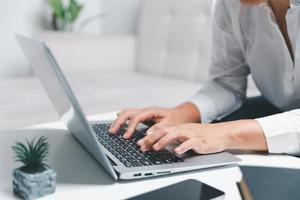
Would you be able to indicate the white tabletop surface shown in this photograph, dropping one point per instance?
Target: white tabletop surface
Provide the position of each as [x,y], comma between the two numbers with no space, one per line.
[80,177]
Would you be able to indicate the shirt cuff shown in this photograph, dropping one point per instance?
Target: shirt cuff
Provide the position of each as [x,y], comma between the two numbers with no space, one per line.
[207,109]
[280,136]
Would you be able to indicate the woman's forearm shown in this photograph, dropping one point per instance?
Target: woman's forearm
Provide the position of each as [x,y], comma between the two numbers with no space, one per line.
[243,134]
[189,112]
[246,135]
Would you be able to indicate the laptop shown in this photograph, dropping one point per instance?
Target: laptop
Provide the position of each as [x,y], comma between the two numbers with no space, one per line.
[121,158]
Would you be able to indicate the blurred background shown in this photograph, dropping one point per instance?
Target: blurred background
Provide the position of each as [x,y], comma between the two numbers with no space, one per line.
[33,16]
[115,53]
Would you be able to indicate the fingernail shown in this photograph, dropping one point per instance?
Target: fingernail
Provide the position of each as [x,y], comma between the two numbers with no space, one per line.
[178,150]
[143,148]
[111,131]
[156,147]
[125,136]
[140,142]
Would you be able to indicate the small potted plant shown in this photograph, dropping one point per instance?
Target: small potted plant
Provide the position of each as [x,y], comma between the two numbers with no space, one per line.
[64,16]
[34,179]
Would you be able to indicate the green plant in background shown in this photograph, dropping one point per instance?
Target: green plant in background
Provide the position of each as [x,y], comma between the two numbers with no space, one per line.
[33,154]
[67,15]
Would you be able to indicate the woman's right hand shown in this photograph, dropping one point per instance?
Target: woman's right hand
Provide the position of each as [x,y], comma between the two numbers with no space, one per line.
[184,113]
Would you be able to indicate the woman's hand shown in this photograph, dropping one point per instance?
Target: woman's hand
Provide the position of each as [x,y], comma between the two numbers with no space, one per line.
[207,138]
[184,113]
[202,138]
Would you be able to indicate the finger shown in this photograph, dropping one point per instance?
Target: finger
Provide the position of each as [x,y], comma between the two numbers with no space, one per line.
[123,117]
[145,148]
[154,128]
[191,144]
[149,140]
[144,115]
[119,114]
[169,138]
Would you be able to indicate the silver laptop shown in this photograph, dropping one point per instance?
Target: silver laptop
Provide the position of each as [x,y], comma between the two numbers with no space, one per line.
[121,158]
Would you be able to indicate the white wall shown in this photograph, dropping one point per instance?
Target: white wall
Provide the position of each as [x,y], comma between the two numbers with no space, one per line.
[90,18]
[29,17]
[17,17]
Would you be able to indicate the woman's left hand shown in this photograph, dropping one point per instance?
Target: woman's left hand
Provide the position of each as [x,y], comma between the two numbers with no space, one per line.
[207,138]
[202,138]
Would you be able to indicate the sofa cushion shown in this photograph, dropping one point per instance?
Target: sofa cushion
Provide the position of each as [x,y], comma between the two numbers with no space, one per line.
[84,52]
[174,38]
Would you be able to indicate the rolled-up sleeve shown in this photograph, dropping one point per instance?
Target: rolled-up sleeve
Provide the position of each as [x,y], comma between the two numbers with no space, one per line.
[282,132]
[226,89]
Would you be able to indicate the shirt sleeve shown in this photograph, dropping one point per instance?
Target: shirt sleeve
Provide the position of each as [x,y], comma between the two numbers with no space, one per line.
[226,89]
[282,132]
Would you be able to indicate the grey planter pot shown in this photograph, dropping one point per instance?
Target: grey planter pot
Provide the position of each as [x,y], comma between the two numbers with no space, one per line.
[31,186]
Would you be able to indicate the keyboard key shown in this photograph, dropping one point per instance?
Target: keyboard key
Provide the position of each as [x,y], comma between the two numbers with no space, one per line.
[136,164]
[127,164]
[145,162]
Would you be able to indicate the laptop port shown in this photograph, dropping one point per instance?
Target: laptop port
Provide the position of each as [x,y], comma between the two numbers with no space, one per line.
[148,174]
[165,172]
[138,174]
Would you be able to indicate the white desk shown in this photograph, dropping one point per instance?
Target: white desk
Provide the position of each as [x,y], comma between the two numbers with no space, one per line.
[80,177]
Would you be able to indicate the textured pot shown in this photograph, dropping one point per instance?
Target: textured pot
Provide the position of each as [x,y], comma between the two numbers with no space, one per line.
[32,186]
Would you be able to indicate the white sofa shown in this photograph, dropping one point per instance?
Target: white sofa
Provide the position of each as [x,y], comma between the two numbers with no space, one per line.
[164,63]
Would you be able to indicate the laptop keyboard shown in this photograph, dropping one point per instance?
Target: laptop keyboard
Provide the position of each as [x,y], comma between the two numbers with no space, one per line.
[128,152]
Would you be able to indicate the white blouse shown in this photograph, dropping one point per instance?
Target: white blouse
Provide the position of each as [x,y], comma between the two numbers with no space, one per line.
[248,40]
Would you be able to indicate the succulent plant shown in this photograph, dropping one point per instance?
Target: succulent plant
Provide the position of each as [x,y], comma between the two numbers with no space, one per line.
[32,154]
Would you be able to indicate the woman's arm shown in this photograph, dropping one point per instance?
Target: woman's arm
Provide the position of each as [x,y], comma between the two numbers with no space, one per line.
[247,135]
[278,133]
[189,112]
[226,90]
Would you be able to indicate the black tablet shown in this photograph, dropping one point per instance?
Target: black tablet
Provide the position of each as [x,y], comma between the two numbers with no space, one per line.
[188,190]
[272,182]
